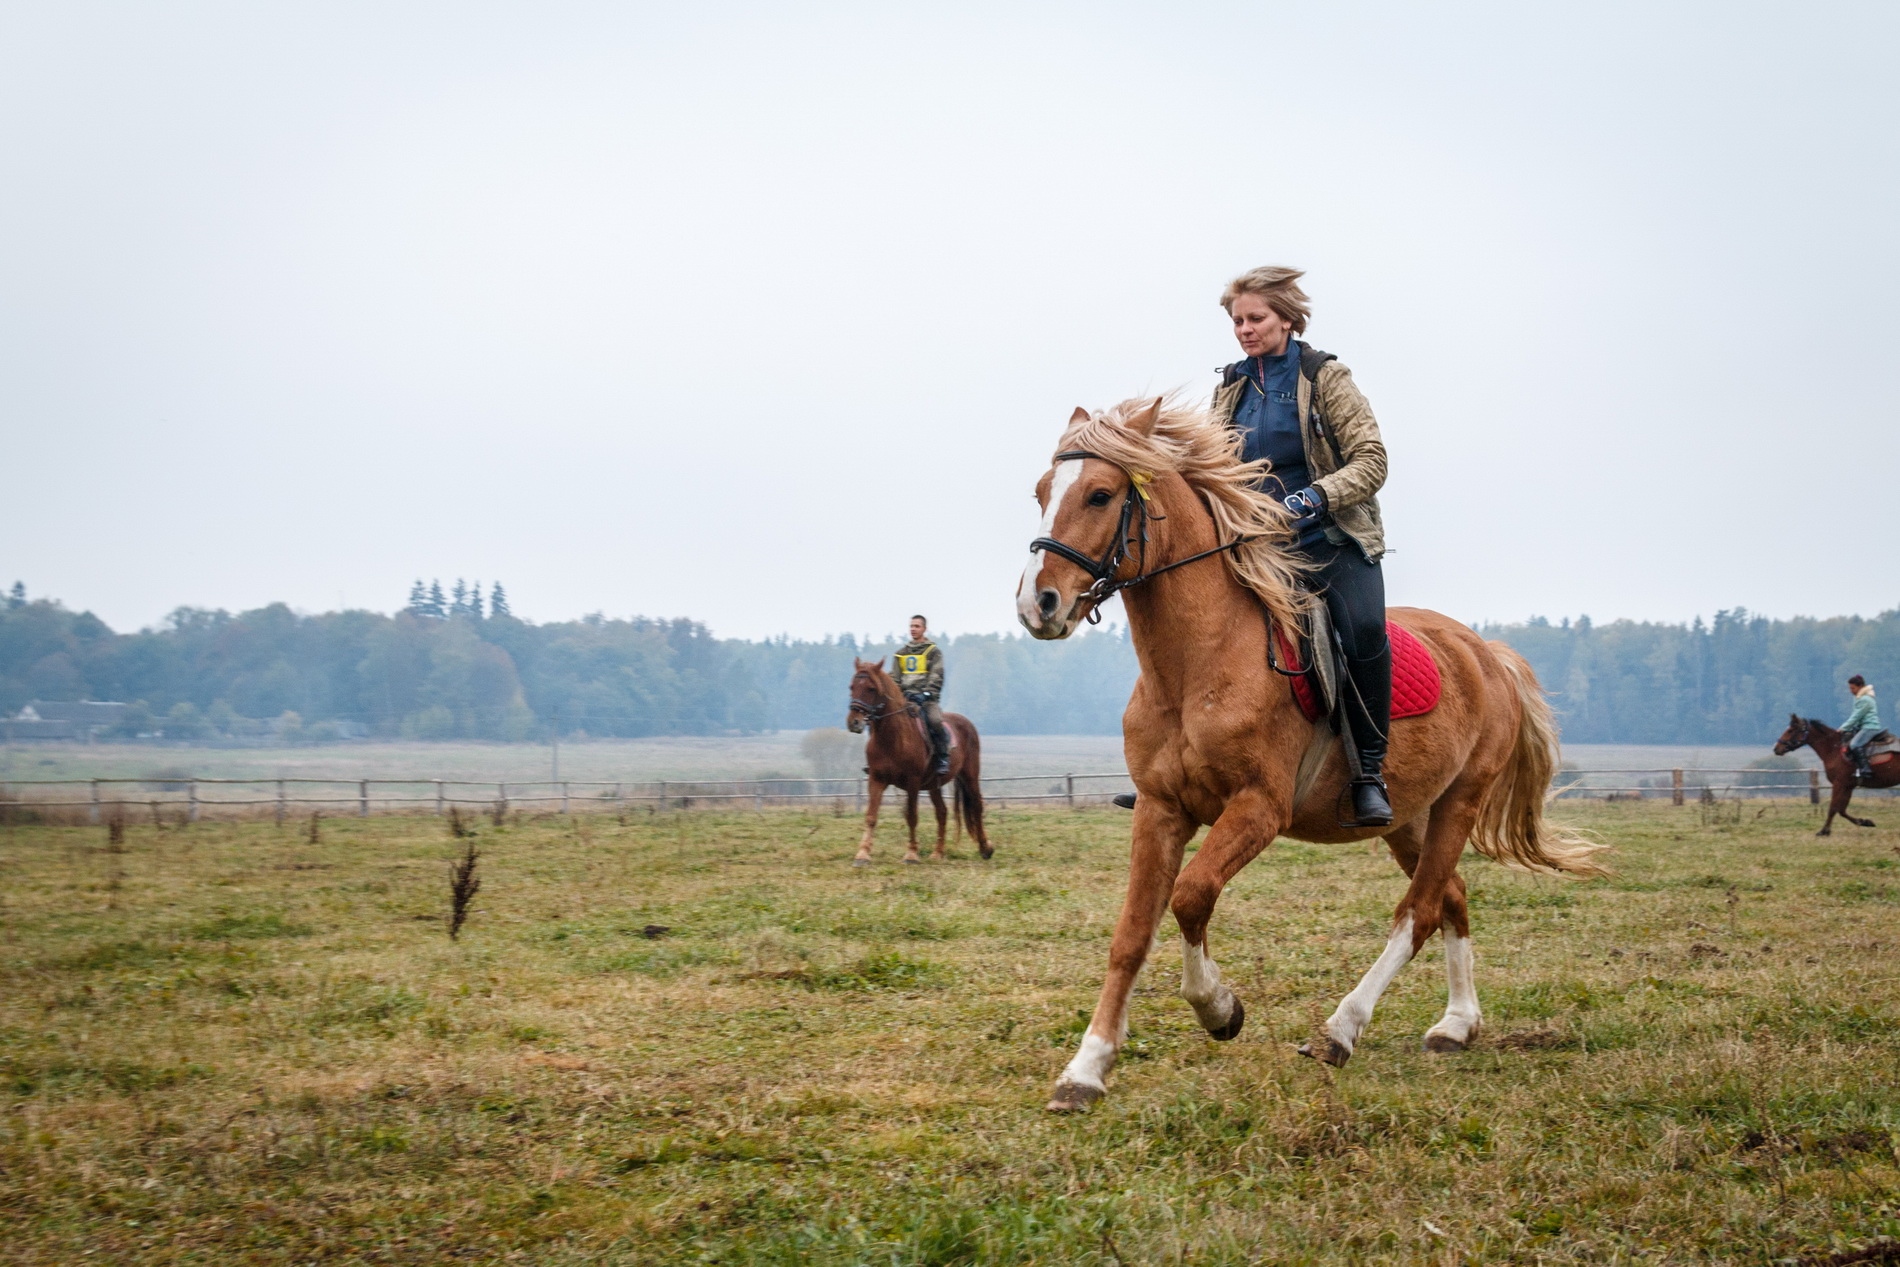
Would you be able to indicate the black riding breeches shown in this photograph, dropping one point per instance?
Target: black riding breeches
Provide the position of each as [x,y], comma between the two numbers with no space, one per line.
[933,721]
[1354,592]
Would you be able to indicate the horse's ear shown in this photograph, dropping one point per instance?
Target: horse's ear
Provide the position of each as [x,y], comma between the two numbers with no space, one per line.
[1080,415]
[1143,420]
[1794,719]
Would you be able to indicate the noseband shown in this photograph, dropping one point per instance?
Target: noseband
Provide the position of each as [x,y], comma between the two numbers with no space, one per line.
[1136,514]
[1795,741]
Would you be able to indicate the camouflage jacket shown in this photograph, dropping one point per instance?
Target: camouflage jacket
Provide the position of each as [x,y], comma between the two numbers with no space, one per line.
[1341,427]
[918,667]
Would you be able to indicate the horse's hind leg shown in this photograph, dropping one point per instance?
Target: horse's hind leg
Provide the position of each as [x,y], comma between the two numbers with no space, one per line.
[1459,1025]
[910,821]
[943,815]
[1433,851]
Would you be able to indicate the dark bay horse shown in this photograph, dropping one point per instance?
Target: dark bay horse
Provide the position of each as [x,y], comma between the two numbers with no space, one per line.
[898,755]
[1152,500]
[1829,745]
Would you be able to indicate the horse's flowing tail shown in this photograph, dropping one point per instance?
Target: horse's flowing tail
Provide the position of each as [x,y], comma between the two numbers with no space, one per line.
[1511,828]
[969,789]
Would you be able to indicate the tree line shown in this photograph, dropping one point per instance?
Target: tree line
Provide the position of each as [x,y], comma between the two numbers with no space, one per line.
[459,665]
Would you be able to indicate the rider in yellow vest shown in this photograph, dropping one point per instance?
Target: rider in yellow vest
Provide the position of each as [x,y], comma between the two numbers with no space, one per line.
[918,668]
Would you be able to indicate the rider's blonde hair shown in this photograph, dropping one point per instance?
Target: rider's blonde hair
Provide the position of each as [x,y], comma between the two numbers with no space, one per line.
[1279,286]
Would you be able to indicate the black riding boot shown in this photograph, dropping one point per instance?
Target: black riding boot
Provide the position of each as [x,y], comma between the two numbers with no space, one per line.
[940,751]
[1369,711]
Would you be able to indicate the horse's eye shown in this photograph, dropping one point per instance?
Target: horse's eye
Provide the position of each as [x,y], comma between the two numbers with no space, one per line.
[1099,497]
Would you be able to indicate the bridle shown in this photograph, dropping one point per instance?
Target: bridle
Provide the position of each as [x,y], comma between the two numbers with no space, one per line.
[877,712]
[1788,743]
[1136,514]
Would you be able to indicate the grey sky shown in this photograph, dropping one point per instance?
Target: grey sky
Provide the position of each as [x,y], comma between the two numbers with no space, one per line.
[770,316]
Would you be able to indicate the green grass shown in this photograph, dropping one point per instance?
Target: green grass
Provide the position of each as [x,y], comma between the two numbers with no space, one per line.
[227,1046]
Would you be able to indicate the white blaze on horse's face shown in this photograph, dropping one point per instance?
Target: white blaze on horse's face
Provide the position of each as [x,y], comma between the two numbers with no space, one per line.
[1041,617]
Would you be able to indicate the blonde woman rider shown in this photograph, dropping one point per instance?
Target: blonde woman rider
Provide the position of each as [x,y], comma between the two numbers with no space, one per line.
[1298,408]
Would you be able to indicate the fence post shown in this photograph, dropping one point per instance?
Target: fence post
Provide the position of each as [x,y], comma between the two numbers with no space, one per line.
[438,798]
[192,813]
[1070,780]
[564,798]
[362,798]
[662,796]
[758,796]
[1814,787]
[619,799]
[281,807]
[95,800]
[1675,787]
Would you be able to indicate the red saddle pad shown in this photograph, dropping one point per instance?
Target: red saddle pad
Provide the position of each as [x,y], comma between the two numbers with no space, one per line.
[1415,681]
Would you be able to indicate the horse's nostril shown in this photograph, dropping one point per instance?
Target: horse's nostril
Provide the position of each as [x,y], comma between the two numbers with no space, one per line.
[1047,601]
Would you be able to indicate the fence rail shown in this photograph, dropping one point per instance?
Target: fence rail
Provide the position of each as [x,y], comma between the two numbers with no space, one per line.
[1069,788]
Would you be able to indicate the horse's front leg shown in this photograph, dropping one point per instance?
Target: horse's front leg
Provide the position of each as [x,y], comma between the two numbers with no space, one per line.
[875,796]
[1248,825]
[910,820]
[1837,805]
[943,818]
[1160,834]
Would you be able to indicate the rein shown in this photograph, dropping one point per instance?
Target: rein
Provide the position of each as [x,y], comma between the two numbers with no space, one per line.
[1136,514]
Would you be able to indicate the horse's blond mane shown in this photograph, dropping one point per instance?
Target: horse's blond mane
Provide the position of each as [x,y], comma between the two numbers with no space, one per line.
[1187,441]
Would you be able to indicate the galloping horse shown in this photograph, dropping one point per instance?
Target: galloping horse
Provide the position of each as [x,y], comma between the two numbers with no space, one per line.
[898,755]
[1829,745]
[1152,500]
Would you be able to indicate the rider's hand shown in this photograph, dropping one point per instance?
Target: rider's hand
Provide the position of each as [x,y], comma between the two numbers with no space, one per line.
[1308,507]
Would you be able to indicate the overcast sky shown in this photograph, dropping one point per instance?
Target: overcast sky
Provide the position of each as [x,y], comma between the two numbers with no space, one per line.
[770,315]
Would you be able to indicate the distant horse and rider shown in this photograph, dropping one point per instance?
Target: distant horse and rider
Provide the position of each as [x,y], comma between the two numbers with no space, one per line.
[1858,754]
[915,746]
[1249,717]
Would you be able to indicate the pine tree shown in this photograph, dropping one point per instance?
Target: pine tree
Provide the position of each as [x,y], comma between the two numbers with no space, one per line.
[459,607]
[16,597]
[475,601]
[438,606]
[498,602]
[418,600]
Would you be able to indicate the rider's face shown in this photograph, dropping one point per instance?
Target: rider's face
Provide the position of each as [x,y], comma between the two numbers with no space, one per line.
[1260,330]
[916,629]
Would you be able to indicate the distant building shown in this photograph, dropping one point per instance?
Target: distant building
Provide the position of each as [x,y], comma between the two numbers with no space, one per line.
[62,719]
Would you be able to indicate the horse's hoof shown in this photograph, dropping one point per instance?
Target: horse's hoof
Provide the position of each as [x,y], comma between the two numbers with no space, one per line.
[913,862]
[987,853]
[1333,1053]
[1073,1097]
[860,862]
[1443,1043]
[1231,1029]
[1824,833]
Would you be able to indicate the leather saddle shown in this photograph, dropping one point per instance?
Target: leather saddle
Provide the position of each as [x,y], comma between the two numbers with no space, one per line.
[1882,744]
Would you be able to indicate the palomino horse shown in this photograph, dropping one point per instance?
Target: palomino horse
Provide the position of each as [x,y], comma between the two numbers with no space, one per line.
[1841,776]
[1152,500]
[898,755]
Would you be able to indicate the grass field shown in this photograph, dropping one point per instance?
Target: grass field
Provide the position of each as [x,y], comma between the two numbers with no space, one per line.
[226,1044]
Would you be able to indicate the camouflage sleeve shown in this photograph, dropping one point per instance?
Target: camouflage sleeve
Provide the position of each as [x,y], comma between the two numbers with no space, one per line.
[933,672]
[1357,431]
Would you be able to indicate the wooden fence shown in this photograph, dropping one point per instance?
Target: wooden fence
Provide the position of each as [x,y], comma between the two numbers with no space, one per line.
[363,796]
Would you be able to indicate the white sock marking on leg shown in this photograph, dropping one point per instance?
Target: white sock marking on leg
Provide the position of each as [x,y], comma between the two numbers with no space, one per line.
[1350,1018]
[1202,987]
[1092,1063]
[1462,1015]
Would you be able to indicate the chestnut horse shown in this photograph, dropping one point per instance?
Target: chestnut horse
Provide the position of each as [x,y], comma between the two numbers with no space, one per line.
[1152,500]
[1841,775]
[898,755]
